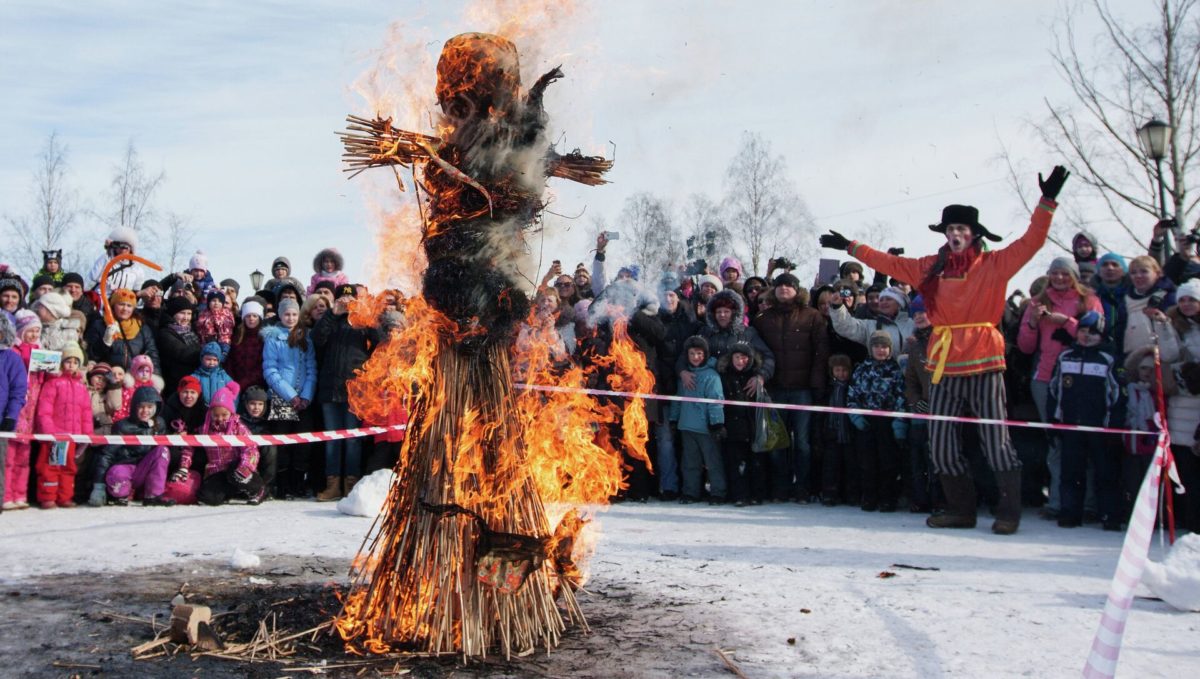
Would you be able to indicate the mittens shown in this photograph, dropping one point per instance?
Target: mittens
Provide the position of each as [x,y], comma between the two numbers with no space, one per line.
[98,496]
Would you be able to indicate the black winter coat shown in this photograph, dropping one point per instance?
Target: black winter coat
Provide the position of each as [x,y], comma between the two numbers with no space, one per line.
[648,333]
[180,355]
[739,420]
[122,350]
[677,328]
[345,349]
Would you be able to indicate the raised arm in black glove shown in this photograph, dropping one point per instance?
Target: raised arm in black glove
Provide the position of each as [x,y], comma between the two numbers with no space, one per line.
[1054,183]
[834,241]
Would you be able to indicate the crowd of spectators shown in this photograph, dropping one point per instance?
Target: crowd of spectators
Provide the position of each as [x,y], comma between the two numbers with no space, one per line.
[183,354]
[116,352]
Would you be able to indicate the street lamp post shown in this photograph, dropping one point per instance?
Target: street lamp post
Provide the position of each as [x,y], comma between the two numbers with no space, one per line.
[1154,137]
[256,280]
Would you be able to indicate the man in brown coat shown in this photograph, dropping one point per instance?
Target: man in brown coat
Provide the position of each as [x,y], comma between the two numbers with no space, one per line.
[797,335]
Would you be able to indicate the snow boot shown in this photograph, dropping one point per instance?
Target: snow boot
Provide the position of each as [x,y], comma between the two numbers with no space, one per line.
[350,481]
[157,501]
[960,503]
[1008,510]
[333,489]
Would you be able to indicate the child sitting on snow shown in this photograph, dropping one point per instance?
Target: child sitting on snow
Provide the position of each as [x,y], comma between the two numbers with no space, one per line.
[216,322]
[253,413]
[64,407]
[141,374]
[231,472]
[327,266]
[702,425]
[210,373]
[878,384]
[127,470]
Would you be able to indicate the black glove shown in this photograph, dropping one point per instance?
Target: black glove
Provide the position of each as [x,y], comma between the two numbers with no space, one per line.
[718,431]
[1061,336]
[1054,184]
[9,424]
[921,407]
[834,241]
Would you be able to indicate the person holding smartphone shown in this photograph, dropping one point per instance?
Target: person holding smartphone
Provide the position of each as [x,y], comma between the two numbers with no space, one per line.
[346,349]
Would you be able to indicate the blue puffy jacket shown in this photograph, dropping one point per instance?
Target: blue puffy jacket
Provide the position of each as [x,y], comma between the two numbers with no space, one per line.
[289,371]
[698,417]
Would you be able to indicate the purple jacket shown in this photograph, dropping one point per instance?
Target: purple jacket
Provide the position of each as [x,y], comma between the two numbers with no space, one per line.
[14,383]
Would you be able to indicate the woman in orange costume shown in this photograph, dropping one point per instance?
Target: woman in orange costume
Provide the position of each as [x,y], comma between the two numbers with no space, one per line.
[964,287]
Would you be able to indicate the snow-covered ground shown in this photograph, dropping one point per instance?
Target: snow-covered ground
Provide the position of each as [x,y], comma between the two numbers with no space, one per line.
[790,590]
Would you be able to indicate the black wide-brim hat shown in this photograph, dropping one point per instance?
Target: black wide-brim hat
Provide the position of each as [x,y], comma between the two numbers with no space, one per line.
[964,214]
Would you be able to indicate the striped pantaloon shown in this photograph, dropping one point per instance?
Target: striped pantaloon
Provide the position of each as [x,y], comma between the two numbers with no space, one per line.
[983,394]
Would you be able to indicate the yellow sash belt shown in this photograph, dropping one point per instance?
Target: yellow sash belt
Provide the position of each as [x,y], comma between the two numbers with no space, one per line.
[940,351]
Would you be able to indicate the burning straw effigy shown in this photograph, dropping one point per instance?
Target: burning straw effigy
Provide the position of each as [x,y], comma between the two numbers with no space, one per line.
[465,557]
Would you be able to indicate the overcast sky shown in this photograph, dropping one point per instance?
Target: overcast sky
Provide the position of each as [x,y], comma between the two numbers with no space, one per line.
[885,111]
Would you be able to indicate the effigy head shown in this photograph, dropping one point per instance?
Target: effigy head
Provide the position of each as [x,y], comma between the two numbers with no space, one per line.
[478,76]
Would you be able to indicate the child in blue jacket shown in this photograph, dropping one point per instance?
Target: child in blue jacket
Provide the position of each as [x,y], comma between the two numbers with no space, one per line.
[701,425]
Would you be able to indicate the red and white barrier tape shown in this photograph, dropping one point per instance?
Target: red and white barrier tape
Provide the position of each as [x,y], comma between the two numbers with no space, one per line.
[332,435]
[1106,645]
[209,440]
[845,411]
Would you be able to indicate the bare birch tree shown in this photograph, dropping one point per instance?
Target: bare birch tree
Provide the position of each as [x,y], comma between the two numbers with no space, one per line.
[702,216]
[48,223]
[763,207]
[176,242]
[1142,72]
[131,195]
[652,237]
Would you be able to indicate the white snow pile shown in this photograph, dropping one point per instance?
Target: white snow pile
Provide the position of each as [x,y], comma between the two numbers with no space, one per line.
[1177,579]
[243,560]
[368,495]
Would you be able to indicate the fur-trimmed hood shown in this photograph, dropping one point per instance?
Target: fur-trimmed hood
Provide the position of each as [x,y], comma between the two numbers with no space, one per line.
[338,261]
[155,380]
[8,332]
[739,310]
[725,363]
[271,332]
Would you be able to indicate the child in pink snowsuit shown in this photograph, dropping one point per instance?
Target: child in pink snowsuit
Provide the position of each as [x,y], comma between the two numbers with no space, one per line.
[13,384]
[231,472]
[16,474]
[64,407]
